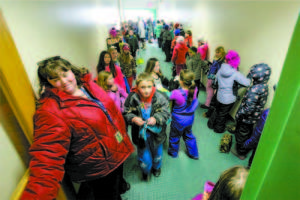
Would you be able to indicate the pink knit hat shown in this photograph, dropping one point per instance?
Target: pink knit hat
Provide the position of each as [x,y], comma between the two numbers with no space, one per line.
[113,32]
[233,59]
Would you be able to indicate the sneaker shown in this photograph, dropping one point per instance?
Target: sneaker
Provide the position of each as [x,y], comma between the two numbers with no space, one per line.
[193,157]
[125,187]
[204,106]
[146,177]
[234,152]
[156,172]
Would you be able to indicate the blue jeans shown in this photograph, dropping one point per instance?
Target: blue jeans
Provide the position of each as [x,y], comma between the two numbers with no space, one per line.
[150,156]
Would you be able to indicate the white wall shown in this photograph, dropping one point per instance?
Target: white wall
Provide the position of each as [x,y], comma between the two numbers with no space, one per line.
[259,30]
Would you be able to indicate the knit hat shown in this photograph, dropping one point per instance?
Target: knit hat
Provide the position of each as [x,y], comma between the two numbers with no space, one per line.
[233,59]
[126,47]
[193,49]
[166,27]
[113,32]
[180,39]
[177,32]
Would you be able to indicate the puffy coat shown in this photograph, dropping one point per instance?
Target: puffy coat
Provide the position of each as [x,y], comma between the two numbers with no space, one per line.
[195,63]
[226,77]
[256,96]
[73,135]
[179,53]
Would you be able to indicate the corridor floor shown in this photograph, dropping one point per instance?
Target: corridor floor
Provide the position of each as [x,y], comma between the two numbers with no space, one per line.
[181,178]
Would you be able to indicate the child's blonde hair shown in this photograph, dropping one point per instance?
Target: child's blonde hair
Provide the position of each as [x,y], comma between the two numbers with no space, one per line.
[102,79]
[187,77]
[144,76]
[221,50]
[230,184]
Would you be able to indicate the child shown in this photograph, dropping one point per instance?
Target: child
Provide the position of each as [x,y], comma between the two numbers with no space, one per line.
[188,39]
[225,78]
[148,112]
[133,42]
[176,33]
[251,107]
[179,53]
[216,65]
[118,94]
[185,104]
[160,81]
[128,64]
[229,186]
[166,43]
[203,49]
[158,29]
[106,63]
[195,64]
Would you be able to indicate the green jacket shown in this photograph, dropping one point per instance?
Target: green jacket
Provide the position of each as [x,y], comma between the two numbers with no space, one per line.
[158,30]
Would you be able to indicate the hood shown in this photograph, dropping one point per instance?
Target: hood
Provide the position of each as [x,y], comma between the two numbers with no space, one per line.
[181,46]
[226,70]
[260,73]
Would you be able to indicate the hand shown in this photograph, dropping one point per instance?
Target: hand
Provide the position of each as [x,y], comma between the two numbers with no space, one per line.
[138,121]
[151,121]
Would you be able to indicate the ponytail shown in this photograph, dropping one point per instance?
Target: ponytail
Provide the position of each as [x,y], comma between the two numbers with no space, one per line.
[188,77]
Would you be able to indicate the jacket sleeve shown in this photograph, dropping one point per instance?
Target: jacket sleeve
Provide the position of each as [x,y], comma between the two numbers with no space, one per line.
[241,79]
[163,114]
[175,54]
[129,110]
[49,151]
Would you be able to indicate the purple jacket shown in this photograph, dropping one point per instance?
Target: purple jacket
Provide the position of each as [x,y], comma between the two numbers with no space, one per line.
[183,113]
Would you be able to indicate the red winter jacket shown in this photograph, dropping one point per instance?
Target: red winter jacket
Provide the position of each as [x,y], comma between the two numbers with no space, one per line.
[179,53]
[73,135]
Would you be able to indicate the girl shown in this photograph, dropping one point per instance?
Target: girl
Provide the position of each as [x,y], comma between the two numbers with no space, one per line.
[188,39]
[216,65]
[114,39]
[160,81]
[128,64]
[195,64]
[179,53]
[118,94]
[148,112]
[226,98]
[203,49]
[106,63]
[251,107]
[185,104]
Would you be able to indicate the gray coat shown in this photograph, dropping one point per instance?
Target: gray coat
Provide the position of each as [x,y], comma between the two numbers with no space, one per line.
[225,79]
[195,63]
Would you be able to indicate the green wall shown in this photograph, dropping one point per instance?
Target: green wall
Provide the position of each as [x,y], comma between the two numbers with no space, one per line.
[275,173]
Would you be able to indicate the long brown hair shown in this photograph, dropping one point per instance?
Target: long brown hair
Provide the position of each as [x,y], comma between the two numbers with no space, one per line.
[49,68]
[231,184]
[188,77]
[102,79]
[150,66]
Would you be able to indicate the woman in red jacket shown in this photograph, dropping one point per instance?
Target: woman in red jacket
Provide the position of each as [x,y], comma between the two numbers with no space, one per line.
[78,130]
[179,53]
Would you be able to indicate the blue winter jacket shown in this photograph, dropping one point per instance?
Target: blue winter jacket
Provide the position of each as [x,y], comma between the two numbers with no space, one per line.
[214,68]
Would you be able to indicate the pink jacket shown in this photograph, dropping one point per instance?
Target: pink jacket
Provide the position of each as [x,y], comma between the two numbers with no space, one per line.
[119,79]
[202,50]
[118,97]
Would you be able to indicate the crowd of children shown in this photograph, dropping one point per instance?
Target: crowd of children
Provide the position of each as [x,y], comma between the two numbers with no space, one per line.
[144,100]
[190,65]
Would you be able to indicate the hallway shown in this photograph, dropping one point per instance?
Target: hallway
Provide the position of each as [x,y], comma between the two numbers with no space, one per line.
[181,178]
